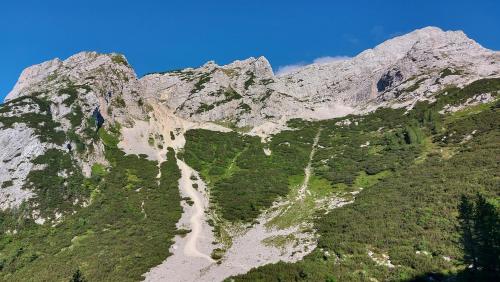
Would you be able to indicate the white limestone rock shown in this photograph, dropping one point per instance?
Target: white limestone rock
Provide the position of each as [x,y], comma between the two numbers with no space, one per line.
[245,93]
[18,147]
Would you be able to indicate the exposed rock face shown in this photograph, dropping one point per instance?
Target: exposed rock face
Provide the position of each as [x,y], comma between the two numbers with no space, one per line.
[389,80]
[325,90]
[55,105]
[19,146]
[89,90]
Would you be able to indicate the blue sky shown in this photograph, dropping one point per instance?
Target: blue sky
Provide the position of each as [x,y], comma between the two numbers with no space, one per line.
[162,35]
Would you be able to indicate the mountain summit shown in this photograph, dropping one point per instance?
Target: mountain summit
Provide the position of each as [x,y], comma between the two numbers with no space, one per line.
[233,167]
[243,94]
[248,94]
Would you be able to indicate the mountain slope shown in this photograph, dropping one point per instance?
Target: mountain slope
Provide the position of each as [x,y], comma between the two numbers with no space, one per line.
[92,157]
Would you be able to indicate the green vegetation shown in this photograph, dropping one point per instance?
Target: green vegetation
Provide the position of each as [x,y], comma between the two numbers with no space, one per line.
[72,90]
[229,95]
[42,122]
[266,95]
[266,81]
[75,116]
[199,85]
[119,102]
[204,108]
[109,139]
[409,207]
[480,230]
[245,108]
[217,253]
[242,178]
[250,81]
[120,235]
[98,170]
[233,126]
[419,172]
[58,185]
[119,59]
[7,183]
[280,241]
[415,86]
[446,72]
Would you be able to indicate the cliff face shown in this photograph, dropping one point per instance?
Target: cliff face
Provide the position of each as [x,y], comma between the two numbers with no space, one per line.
[429,56]
[62,104]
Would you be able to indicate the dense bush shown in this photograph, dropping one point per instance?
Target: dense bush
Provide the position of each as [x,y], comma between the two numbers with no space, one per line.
[242,178]
[410,215]
[118,237]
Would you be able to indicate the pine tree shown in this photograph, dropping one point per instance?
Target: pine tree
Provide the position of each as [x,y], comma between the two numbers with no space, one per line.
[486,229]
[77,277]
[466,220]
[480,230]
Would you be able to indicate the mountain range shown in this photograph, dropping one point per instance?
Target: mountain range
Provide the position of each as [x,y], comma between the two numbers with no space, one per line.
[201,174]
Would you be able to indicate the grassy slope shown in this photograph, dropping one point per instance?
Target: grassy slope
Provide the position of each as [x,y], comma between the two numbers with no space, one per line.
[410,213]
[412,177]
[112,239]
[242,178]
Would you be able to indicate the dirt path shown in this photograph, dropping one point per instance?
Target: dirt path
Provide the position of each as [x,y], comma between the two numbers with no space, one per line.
[190,253]
[190,259]
[197,217]
[307,171]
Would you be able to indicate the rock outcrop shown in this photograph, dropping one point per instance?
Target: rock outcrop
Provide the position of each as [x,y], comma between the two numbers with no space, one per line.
[67,100]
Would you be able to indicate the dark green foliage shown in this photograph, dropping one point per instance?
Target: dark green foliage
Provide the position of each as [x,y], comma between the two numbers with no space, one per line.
[266,95]
[89,129]
[466,220]
[58,184]
[119,102]
[413,134]
[42,123]
[456,96]
[75,116]
[199,85]
[77,277]
[245,108]
[119,59]
[457,130]
[109,138]
[266,81]
[7,184]
[205,108]
[229,95]
[217,253]
[250,81]
[77,140]
[72,90]
[446,72]
[412,210]
[211,151]
[110,240]
[382,141]
[415,86]
[480,230]
[243,179]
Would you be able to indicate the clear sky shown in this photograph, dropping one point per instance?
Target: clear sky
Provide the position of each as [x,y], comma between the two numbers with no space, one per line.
[163,35]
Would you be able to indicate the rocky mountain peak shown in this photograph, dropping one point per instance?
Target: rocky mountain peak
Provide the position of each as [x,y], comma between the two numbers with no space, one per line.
[248,93]
[76,68]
